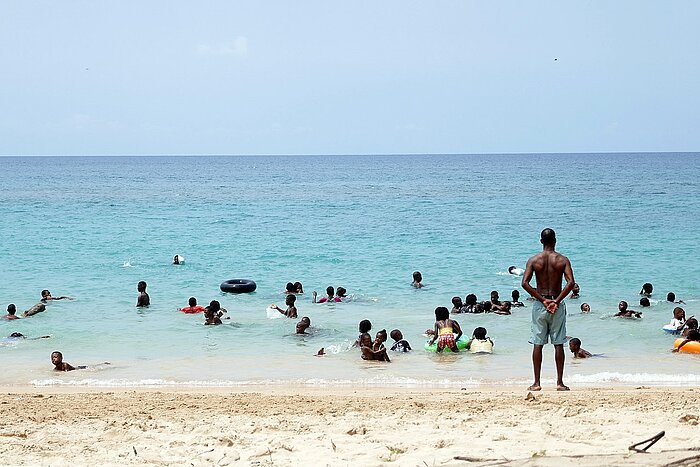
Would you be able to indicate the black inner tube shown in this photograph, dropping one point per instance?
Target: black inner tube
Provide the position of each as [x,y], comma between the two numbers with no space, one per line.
[238,286]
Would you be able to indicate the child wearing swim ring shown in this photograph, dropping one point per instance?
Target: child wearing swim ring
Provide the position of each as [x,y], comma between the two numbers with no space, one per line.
[445,330]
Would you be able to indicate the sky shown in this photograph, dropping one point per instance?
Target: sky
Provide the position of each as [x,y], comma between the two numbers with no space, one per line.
[354,77]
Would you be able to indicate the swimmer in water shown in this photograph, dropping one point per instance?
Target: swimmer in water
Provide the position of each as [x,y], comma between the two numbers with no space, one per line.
[213,313]
[417,280]
[11,310]
[291,311]
[647,289]
[299,288]
[671,297]
[457,305]
[19,335]
[60,365]
[445,330]
[471,304]
[330,292]
[378,348]
[289,288]
[690,325]
[143,300]
[341,293]
[515,299]
[38,308]
[575,292]
[400,344]
[644,302]
[177,259]
[364,338]
[575,347]
[585,308]
[504,309]
[625,313]
[480,343]
[515,271]
[193,307]
[46,296]
[678,320]
[303,325]
[693,336]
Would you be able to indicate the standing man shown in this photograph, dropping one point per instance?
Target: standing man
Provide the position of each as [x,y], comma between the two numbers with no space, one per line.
[549,311]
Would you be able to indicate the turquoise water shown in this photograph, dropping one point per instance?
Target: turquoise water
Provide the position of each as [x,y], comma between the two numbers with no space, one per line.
[92,227]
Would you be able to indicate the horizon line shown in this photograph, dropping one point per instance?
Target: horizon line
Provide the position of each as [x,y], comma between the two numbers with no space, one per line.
[347,154]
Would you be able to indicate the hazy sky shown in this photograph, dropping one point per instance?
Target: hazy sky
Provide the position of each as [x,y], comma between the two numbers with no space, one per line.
[353,77]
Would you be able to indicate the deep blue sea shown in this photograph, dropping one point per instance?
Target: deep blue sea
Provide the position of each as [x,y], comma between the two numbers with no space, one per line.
[92,227]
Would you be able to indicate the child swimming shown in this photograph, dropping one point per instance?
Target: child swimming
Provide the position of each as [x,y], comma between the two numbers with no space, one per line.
[575,347]
[479,343]
[303,325]
[625,313]
[60,365]
[400,344]
[291,311]
[417,280]
[678,320]
[445,330]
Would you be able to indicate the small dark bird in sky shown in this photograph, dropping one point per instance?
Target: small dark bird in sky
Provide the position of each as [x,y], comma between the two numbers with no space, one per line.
[555,59]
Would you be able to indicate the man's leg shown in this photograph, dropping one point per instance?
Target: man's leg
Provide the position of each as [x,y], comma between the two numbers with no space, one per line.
[537,366]
[559,357]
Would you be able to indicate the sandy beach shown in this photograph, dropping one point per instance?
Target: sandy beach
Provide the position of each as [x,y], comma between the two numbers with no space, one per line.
[342,426]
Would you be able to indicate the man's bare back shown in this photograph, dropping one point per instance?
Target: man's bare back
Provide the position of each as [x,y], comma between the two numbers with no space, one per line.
[549,268]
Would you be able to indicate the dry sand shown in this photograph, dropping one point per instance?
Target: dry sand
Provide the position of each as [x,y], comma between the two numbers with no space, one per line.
[300,426]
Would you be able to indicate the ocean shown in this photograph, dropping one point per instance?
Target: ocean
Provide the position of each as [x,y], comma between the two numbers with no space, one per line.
[93,227]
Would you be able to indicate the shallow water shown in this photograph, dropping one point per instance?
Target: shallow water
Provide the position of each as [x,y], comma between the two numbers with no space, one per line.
[92,227]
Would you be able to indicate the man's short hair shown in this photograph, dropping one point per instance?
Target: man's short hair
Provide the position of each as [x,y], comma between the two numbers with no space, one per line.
[548,237]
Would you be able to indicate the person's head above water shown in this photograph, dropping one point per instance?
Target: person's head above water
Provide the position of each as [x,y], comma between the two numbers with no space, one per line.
[494,296]
[291,298]
[670,297]
[679,313]
[330,291]
[479,333]
[56,357]
[515,295]
[575,344]
[487,306]
[214,305]
[341,292]
[510,269]
[11,309]
[470,299]
[417,276]
[303,325]
[381,335]
[141,286]
[692,323]
[365,326]
[457,302]
[576,288]
[647,289]
[45,293]
[396,335]
[585,308]
[289,288]
[622,306]
[298,287]
[442,313]
[192,301]
[644,302]
[548,237]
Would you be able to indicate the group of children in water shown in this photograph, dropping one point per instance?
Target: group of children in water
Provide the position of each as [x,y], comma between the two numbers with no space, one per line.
[446,334]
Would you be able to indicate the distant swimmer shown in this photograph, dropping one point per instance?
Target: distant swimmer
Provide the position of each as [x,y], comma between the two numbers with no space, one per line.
[457,305]
[400,344]
[60,365]
[299,287]
[303,325]
[46,296]
[11,310]
[671,297]
[38,308]
[417,280]
[143,300]
[480,343]
[575,347]
[330,292]
[624,312]
[678,321]
[644,302]
[515,299]
[341,293]
[585,308]
[515,271]
[647,289]
[213,313]
[291,311]
[193,307]
[693,336]
[177,259]
[19,335]
[575,292]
